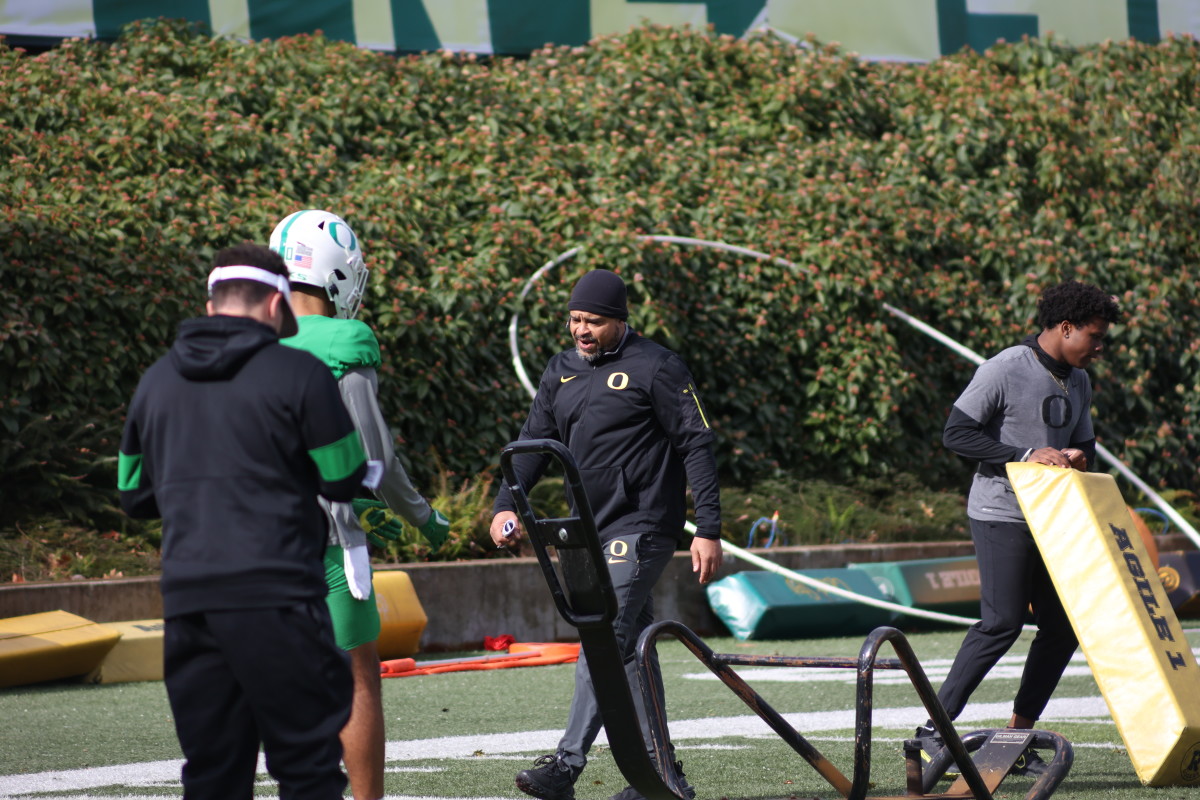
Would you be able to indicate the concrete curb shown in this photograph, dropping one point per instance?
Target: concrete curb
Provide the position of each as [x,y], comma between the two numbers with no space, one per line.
[467,600]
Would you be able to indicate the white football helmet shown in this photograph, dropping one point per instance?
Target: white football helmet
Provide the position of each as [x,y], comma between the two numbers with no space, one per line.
[321,250]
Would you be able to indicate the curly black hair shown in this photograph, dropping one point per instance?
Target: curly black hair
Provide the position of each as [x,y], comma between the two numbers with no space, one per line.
[1076,302]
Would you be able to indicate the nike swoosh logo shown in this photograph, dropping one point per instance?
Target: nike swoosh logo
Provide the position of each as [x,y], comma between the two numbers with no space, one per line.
[564,378]
[617,560]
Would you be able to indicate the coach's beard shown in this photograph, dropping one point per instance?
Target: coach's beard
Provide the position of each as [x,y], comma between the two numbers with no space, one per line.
[590,358]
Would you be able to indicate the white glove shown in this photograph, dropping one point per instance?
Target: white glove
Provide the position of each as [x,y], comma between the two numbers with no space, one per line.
[357,563]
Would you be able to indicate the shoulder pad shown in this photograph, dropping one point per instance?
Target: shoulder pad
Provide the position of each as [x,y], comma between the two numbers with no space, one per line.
[355,345]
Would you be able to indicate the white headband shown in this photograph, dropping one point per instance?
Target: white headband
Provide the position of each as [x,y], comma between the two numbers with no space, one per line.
[257,274]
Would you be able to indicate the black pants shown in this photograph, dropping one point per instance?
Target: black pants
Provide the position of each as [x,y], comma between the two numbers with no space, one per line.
[270,675]
[1012,578]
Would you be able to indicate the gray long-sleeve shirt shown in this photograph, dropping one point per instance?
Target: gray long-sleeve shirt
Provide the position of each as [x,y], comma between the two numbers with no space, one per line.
[360,390]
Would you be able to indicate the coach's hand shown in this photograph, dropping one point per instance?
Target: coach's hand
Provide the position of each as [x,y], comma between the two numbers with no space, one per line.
[436,529]
[706,557]
[377,521]
[497,531]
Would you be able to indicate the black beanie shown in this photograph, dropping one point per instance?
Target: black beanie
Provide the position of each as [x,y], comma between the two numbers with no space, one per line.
[600,292]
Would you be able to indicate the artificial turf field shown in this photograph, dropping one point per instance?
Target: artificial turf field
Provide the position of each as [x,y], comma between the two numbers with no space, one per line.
[464,735]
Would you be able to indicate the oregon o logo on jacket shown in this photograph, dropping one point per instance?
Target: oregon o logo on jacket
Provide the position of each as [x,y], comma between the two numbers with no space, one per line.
[618,381]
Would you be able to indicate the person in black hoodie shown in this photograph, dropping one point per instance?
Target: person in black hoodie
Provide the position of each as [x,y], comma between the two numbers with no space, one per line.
[628,411]
[230,438]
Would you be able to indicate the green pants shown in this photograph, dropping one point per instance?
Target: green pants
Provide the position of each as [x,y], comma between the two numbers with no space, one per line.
[355,622]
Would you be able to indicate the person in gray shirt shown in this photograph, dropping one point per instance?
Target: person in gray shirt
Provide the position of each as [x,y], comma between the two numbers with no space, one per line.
[1031,402]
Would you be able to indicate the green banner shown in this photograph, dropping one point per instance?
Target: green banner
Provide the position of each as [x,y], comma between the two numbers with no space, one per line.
[877,29]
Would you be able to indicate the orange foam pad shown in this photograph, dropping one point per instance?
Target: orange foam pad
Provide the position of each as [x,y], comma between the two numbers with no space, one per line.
[528,654]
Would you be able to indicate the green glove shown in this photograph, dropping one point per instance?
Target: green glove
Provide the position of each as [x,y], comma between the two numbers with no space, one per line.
[436,529]
[377,521]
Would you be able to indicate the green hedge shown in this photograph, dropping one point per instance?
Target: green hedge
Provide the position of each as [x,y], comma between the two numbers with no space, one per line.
[955,190]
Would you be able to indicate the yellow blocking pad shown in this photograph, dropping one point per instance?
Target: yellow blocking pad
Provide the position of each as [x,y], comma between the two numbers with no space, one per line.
[50,646]
[137,656]
[1132,639]
[401,617]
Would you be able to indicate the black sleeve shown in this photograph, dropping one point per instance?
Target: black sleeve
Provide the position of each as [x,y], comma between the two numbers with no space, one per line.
[701,466]
[134,478]
[540,424]
[681,413]
[965,436]
[529,469]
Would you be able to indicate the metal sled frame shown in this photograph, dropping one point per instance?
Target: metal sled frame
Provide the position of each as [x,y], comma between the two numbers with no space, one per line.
[585,598]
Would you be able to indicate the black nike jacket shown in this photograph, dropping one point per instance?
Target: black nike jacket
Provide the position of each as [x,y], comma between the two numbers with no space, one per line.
[639,434]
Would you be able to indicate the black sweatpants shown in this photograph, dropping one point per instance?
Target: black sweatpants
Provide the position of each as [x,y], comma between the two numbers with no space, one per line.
[269,675]
[1012,577]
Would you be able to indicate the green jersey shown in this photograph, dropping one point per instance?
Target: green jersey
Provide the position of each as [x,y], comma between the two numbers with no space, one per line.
[343,344]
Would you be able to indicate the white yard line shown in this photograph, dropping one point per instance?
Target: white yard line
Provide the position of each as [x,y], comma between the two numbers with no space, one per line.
[75,784]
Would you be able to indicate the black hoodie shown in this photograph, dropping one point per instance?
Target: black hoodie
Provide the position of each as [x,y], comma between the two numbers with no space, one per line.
[229,438]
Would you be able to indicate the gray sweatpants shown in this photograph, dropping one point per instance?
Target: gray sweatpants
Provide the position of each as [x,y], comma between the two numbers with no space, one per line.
[635,562]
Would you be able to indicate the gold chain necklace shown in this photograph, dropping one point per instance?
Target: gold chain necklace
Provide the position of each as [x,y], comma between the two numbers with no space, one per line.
[1060,383]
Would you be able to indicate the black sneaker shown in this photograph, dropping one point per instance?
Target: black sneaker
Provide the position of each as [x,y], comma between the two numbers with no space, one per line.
[930,744]
[550,778]
[630,793]
[1029,763]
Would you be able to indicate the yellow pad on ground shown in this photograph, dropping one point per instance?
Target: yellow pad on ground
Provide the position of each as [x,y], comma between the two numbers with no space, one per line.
[49,646]
[138,656]
[401,617]
[1133,641]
